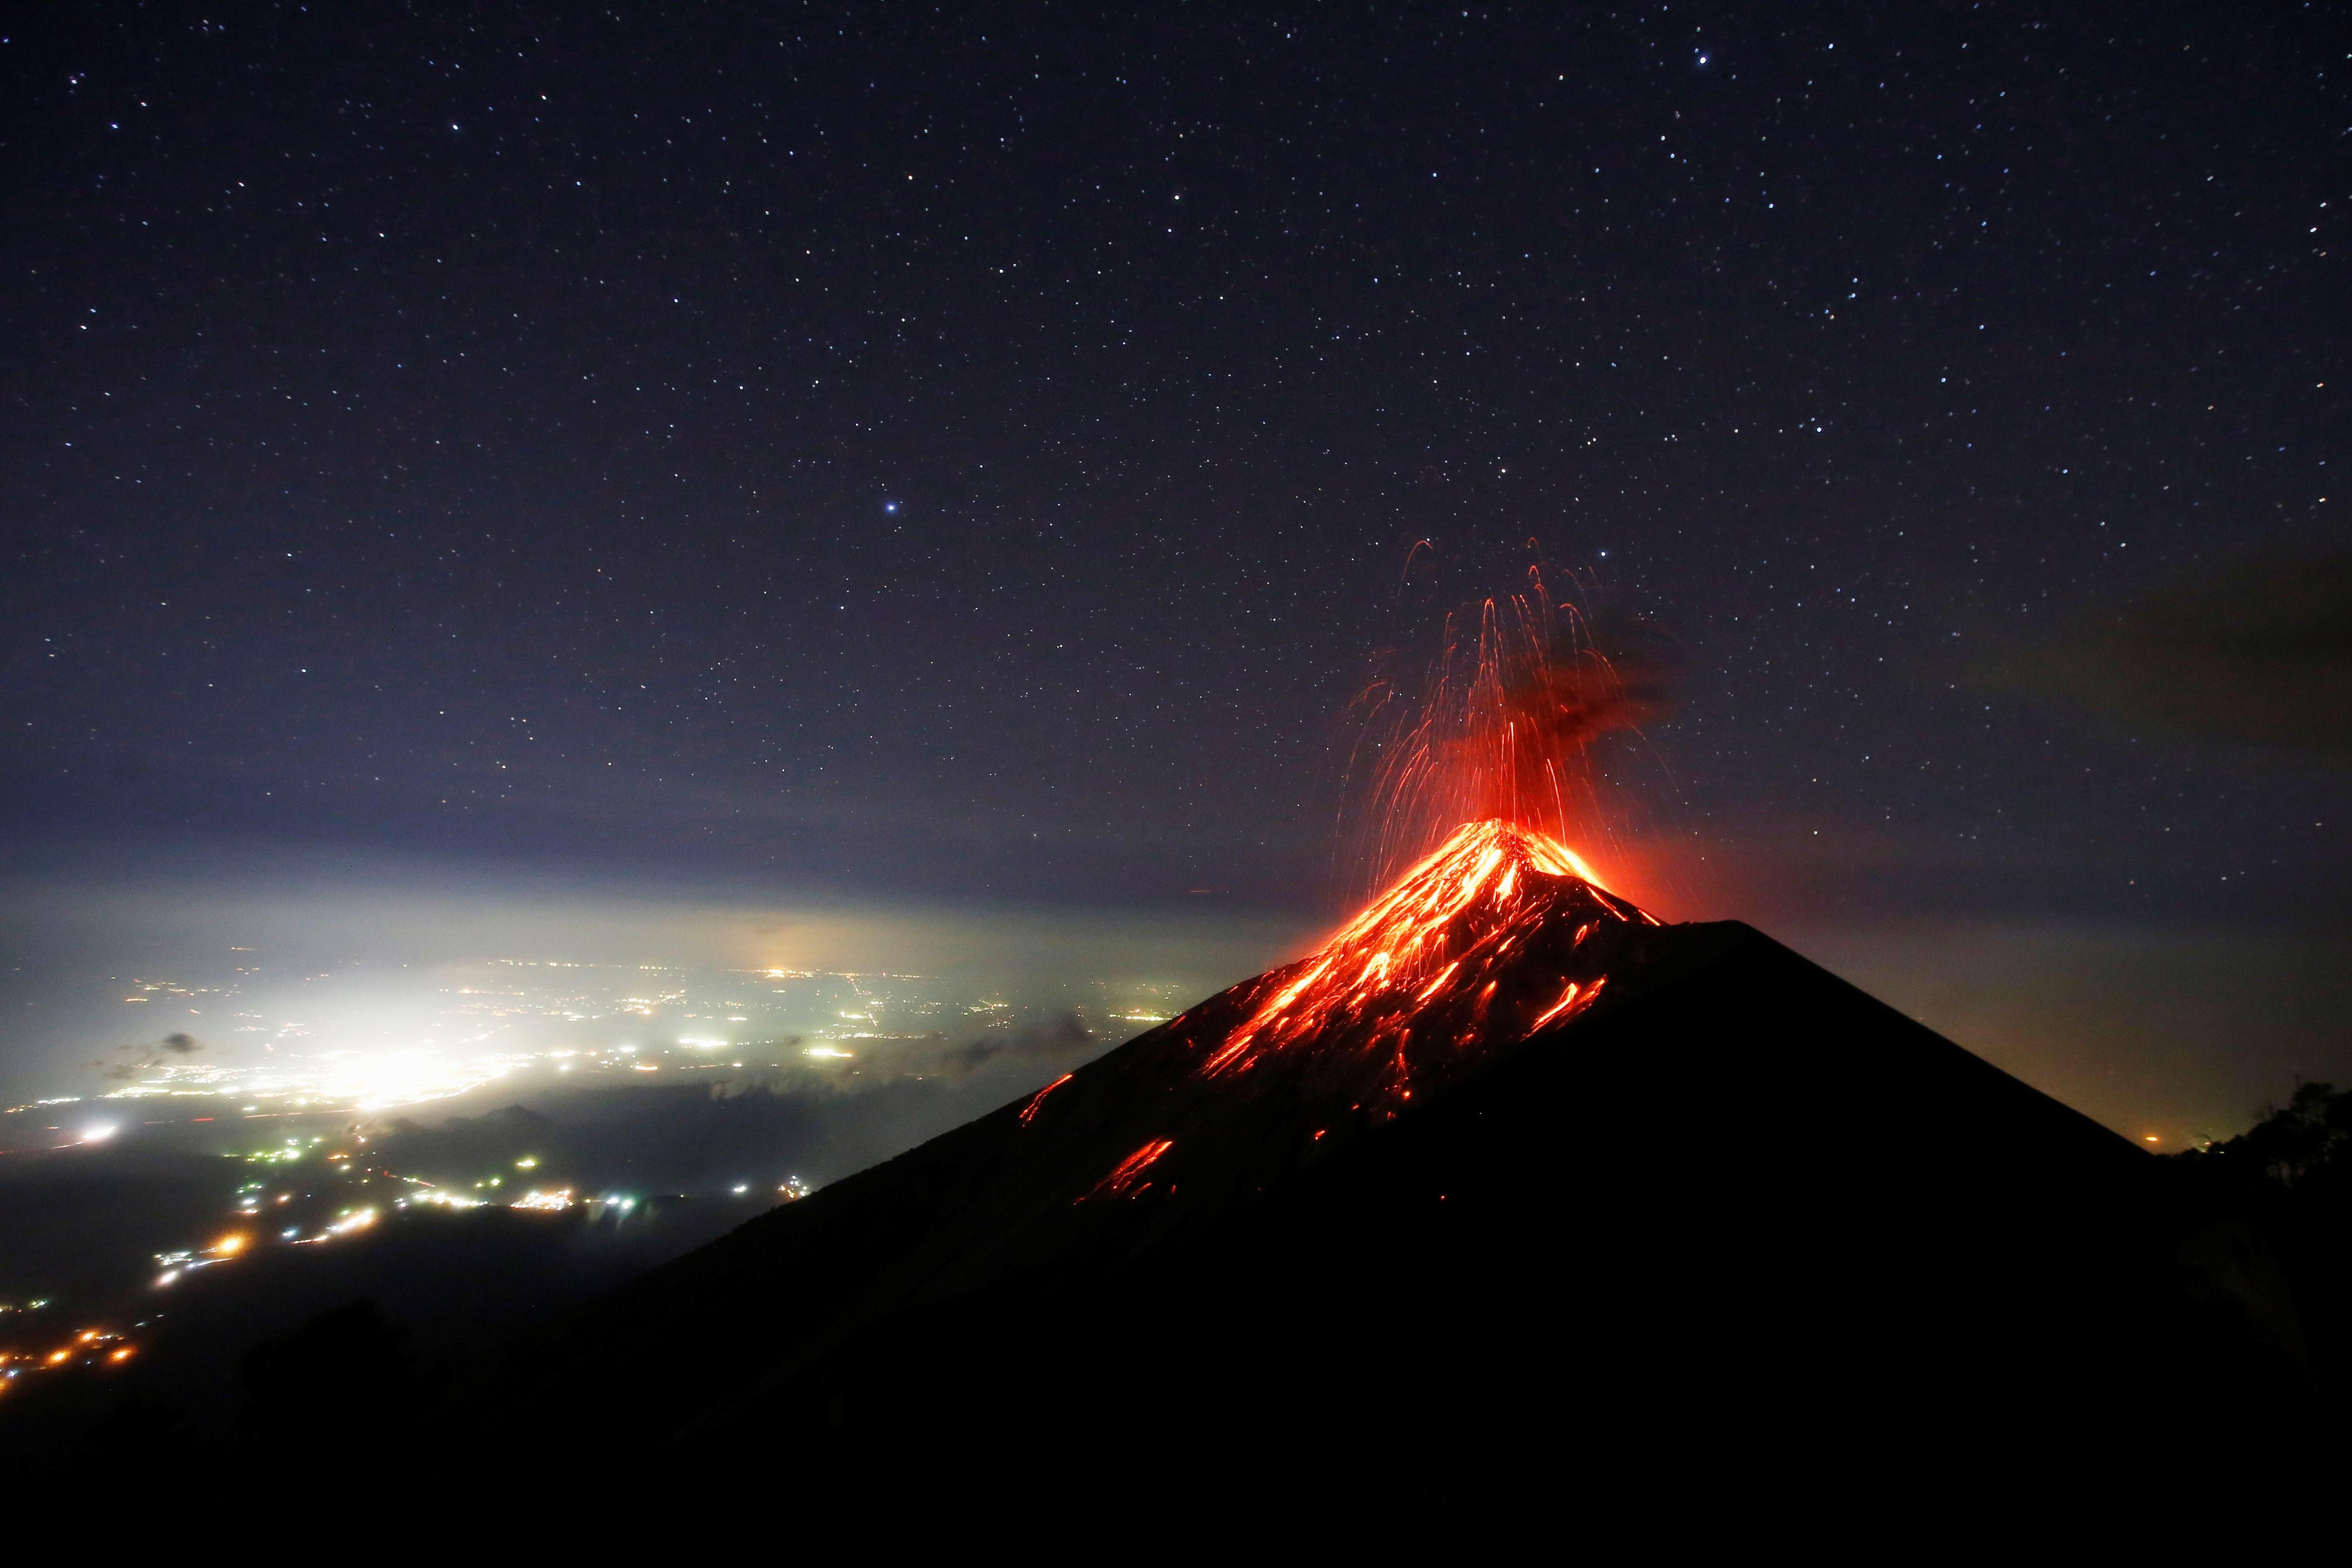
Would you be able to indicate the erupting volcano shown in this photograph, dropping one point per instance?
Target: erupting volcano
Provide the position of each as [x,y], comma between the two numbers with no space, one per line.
[1500,935]
[1484,942]
[1430,954]
[1503,1143]
[1502,723]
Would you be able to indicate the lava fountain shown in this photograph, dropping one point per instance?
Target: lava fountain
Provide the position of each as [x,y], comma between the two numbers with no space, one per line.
[1496,934]
[1483,940]
[1505,723]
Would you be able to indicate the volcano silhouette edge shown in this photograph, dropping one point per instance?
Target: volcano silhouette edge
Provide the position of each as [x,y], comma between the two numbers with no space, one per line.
[1734,1190]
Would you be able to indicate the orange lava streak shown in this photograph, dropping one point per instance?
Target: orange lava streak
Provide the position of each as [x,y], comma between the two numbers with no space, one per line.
[1568,999]
[1433,939]
[1123,1174]
[1444,975]
[1030,1109]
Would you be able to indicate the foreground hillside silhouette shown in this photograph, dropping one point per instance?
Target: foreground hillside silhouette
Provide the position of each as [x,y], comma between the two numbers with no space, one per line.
[1507,1157]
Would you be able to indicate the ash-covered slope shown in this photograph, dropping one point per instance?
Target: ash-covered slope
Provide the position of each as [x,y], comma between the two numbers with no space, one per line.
[1504,1146]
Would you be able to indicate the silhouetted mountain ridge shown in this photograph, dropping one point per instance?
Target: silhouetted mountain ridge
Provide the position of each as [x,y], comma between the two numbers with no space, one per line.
[1715,1180]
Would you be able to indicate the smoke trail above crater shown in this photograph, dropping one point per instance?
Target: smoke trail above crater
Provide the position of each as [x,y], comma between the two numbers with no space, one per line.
[1500,722]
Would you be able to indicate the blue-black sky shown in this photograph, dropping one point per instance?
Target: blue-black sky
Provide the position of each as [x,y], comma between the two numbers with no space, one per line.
[975,451]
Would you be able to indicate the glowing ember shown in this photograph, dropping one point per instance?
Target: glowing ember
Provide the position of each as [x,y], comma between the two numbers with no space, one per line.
[1503,721]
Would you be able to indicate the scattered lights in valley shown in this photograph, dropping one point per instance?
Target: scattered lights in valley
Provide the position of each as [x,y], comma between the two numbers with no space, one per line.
[297,1104]
[99,1350]
[515,1025]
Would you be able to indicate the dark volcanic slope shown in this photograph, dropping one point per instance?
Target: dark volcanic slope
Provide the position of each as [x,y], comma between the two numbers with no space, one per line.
[1728,1188]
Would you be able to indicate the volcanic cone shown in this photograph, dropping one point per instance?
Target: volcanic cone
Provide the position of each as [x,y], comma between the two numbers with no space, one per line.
[1505,1156]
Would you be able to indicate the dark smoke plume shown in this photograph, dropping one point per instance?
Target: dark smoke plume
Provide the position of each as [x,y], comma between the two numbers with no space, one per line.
[130,1061]
[1501,721]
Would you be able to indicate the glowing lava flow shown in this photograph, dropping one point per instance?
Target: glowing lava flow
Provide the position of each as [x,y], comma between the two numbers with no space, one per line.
[1037,1100]
[1501,937]
[1420,969]
[1121,1182]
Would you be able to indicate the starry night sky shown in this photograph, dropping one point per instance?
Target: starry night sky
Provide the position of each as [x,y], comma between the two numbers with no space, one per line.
[976,451]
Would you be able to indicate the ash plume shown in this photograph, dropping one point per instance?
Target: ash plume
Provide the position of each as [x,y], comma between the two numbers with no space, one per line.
[1056,1039]
[1500,722]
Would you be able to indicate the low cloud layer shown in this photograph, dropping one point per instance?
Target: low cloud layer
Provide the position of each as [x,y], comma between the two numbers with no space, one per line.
[2257,655]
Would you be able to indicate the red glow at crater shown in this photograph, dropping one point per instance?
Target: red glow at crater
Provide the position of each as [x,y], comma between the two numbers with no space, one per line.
[1427,957]
[1503,724]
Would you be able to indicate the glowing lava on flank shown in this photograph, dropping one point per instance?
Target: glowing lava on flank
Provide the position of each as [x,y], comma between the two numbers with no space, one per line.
[1501,938]
[1499,934]
[1422,970]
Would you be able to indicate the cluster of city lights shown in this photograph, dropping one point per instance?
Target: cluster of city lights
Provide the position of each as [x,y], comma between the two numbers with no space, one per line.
[307,1190]
[362,1080]
[174,1265]
[89,1348]
[482,1033]
[99,1350]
